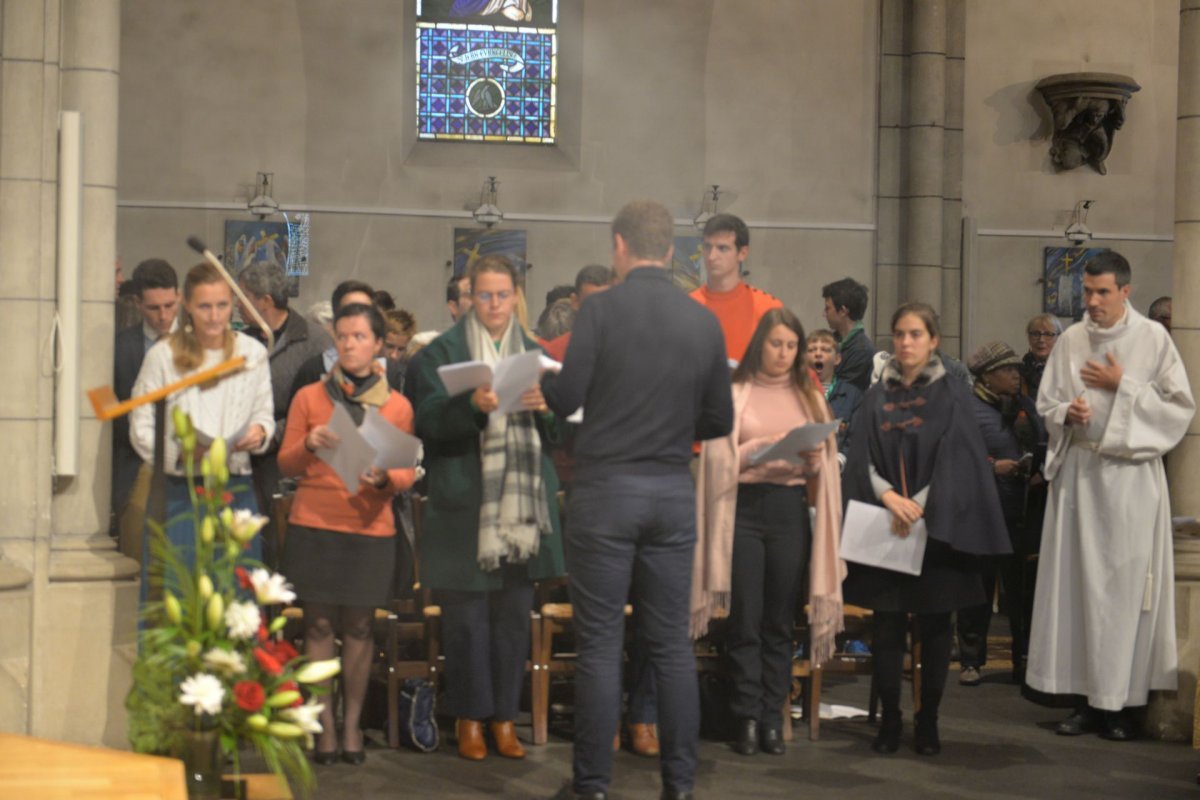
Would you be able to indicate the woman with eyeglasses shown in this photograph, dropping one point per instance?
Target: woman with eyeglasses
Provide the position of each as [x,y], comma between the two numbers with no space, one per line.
[1042,332]
[491,519]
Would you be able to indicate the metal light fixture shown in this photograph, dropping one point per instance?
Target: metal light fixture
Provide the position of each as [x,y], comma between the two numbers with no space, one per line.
[708,207]
[488,213]
[263,204]
[1077,231]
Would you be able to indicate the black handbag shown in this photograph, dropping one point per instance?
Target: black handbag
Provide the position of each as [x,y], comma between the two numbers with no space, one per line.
[418,724]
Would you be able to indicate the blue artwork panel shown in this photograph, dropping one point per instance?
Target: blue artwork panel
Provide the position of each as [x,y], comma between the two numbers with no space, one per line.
[1062,284]
[486,83]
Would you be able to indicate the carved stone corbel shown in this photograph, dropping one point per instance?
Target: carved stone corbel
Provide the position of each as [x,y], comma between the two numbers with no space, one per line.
[1087,109]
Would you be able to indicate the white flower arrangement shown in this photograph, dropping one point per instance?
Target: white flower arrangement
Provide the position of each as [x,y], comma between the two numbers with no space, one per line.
[203,692]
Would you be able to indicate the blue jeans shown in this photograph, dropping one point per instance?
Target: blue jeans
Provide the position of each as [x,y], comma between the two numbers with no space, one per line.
[633,532]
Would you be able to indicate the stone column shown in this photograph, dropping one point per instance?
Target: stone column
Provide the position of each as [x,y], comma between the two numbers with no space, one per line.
[67,596]
[1171,713]
[918,246]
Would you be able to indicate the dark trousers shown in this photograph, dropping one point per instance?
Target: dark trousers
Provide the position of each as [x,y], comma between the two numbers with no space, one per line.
[771,541]
[973,623]
[643,703]
[888,646]
[633,532]
[485,636]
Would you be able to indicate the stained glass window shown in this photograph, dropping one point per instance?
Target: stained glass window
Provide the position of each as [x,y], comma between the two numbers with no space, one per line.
[487,70]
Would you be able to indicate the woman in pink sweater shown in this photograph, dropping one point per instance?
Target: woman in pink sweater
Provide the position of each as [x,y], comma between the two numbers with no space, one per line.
[755,535]
[340,548]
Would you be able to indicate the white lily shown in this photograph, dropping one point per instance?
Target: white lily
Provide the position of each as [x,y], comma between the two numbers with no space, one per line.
[243,619]
[317,671]
[224,661]
[271,588]
[306,716]
[244,525]
[203,692]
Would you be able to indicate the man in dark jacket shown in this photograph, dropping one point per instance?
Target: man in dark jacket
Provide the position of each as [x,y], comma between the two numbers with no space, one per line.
[648,366]
[845,305]
[156,295]
[296,341]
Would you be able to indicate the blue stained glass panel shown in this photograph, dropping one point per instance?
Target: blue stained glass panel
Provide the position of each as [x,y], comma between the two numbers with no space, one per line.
[486,85]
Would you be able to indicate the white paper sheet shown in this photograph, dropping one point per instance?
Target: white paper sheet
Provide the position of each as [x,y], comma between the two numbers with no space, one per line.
[206,439]
[465,376]
[514,376]
[797,442]
[352,455]
[394,449]
[867,538]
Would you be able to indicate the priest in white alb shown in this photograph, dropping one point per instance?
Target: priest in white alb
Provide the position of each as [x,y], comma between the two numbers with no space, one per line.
[1115,398]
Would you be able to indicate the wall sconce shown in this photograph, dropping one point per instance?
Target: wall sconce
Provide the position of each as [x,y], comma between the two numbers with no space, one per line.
[1077,231]
[488,213]
[708,207]
[263,204]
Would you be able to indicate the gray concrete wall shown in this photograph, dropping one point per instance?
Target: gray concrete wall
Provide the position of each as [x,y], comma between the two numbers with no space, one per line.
[1009,185]
[775,101]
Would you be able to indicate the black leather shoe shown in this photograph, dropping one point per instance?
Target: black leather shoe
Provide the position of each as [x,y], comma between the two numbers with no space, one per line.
[745,743]
[1118,727]
[675,794]
[323,759]
[888,738]
[1084,720]
[770,740]
[355,757]
[925,737]
[567,793]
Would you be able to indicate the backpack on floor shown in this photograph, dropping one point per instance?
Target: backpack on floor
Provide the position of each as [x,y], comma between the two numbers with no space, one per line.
[418,725]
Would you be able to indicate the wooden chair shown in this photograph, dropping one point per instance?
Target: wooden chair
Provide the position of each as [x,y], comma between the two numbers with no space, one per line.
[412,620]
[807,678]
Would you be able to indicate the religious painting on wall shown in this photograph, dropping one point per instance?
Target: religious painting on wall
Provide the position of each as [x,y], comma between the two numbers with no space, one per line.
[259,241]
[687,265]
[487,70]
[474,243]
[1062,283]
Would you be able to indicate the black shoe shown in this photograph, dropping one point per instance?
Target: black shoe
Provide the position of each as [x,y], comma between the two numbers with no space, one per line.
[746,741]
[675,794]
[354,757]
[770,740]
[925,737]
[888,738]
[1118,727]
[567,793]
[325,759]
[1084,720]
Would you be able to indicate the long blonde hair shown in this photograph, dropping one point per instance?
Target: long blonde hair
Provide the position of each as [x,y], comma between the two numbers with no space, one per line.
[186,350]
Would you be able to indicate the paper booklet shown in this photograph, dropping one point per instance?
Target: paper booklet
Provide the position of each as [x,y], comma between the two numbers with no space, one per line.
[867,538]
[797,442]
[376,443]
[509,379]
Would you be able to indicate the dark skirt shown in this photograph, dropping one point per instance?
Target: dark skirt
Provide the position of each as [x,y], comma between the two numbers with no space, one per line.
[948,581]
[337,568]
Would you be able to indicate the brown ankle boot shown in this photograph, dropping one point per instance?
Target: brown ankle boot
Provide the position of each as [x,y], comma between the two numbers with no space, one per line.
[506,740]
[643,740]
[469,733]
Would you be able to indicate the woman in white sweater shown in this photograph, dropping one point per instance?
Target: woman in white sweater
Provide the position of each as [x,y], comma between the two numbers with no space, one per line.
[237,407]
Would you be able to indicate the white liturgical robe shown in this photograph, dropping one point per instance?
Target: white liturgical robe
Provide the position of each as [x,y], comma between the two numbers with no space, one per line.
[1104,608]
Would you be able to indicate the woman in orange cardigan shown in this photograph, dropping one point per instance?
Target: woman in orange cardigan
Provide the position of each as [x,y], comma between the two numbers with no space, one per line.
[340,548]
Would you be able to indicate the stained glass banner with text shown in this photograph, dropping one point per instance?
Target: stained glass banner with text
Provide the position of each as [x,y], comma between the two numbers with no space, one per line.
[482,78]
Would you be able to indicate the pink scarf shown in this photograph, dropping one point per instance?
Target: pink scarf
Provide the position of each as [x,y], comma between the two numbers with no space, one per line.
[716,505]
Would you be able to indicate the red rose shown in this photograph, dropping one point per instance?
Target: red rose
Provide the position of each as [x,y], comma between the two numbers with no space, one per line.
[250,695]
[243,577]
[262,632]
[281,651]
[268,662]
[227,498]
[200,492]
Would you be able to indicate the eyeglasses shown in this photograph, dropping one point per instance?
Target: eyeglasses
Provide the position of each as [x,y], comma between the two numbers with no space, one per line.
[486,297]
[1041,334]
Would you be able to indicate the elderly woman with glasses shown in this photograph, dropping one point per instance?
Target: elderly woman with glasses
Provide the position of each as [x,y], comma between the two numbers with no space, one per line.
[1042,332]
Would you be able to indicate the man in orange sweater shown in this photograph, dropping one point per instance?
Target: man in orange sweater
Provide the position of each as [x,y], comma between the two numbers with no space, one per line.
[737,305]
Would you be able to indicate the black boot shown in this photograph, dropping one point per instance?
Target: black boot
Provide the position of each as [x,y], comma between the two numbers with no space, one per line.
[770,740]
[888,738]
[745,743]
[925,736]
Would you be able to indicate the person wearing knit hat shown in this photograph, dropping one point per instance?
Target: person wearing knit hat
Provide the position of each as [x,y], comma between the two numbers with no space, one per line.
[1010,427]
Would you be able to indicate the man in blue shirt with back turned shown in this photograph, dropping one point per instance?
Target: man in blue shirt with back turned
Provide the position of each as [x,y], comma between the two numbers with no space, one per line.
[648,366]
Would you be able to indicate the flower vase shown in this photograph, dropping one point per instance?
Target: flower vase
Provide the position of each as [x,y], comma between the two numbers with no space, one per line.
[202,764]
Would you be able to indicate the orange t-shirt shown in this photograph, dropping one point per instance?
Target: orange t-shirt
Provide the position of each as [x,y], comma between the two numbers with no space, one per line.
[738,311]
